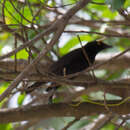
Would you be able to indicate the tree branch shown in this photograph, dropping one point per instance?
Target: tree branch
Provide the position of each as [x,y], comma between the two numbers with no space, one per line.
[57,110]
[60,25]
[117,64]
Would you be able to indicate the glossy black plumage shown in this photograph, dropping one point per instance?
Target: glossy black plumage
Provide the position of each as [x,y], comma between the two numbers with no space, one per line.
[74,61]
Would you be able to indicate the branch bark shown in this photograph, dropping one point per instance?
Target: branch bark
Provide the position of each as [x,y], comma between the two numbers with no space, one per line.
[57,110]
[117,64]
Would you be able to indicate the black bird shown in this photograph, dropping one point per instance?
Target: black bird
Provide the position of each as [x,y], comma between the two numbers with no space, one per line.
[75,61]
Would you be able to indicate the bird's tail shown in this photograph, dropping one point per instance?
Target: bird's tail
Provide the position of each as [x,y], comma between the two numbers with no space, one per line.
[52,89]
[33,87]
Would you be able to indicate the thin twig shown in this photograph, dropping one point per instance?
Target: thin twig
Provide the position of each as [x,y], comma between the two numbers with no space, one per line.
[71,123]
[101,122]
[15,56]
[3,12]
[29,43]
[86,56]
[103,34]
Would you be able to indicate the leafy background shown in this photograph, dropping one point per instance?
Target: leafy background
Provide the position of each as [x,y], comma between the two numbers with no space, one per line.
[28,15]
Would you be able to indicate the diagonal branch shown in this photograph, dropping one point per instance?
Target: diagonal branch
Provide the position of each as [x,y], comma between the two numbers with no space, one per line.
[60,25]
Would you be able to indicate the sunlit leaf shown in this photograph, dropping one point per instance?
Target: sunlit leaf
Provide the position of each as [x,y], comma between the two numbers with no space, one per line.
[13,16]
[3,87]
[95,7]
[10,13]
[4,36]
[20,99]
[108,14]
[127,4]
[6,126]
[27,14]
[21,55]
[84,98]
[109,126]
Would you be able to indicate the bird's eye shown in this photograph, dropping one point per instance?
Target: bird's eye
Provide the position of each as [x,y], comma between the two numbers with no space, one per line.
[99,42]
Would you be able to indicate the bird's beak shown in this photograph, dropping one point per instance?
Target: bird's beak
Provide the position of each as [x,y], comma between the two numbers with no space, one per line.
[103,44]
[108,46]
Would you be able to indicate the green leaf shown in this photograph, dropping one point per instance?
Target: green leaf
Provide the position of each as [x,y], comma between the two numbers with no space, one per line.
[27,14]
[95,7]
[123,43]
[99,1]
[85,98]
[69,2]
[57,100]
[13,16]
[21,99]
[109,14]
[4,36]
[8,13]
[101,10]
[115,75]
[3,87]
[127,3]
[115,4]
[109,126]
[6,126]
[21,54]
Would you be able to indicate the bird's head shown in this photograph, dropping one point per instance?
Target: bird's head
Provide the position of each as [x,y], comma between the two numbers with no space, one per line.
[102,45]
[96,46]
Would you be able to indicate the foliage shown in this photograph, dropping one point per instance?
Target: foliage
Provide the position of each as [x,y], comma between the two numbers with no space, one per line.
[22,20]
